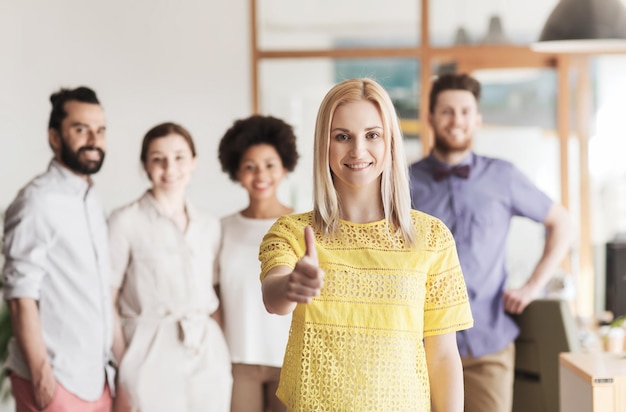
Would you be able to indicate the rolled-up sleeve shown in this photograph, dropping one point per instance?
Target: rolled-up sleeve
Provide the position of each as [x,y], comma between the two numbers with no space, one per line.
[25,249]
[527,199]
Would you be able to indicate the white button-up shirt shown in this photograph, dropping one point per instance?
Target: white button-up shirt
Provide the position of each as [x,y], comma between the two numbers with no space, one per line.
[56,252]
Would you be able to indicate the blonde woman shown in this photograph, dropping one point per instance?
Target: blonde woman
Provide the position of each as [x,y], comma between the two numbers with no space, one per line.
[375,289]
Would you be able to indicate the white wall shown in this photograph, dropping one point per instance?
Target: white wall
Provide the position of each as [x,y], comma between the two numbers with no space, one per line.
[150,61]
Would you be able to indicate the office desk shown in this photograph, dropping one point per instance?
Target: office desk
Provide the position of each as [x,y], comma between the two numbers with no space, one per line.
[592,382]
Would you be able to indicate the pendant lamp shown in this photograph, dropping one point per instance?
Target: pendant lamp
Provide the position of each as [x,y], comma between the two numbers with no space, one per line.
[584,26]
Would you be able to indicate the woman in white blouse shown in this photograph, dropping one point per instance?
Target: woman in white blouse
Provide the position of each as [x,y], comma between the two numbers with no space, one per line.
[256,152]
[173,356]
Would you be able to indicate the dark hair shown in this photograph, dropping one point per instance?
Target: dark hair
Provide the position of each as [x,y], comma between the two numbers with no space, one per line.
[254,130]
[58,99]
[162,130]
[453,81]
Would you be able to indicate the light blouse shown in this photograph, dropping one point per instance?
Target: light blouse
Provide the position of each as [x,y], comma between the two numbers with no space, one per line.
[177,358]
[254,336]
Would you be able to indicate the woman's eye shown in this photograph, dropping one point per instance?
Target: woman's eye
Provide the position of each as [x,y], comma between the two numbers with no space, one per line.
[373,135]
[342,137]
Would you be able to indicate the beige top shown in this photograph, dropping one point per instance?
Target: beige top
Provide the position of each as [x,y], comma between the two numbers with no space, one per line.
[158,268]
[176,357]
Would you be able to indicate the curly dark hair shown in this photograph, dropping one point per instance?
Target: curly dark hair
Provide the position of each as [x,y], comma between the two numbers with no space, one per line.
[453,81]
[254,130]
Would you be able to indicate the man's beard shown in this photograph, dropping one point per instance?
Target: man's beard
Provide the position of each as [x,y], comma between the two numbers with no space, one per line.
[445,147]
[72,160]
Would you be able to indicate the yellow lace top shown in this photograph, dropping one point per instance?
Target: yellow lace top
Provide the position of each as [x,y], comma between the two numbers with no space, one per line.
[358,346]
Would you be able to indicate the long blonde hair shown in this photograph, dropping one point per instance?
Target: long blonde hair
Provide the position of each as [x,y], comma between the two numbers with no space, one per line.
[394,181]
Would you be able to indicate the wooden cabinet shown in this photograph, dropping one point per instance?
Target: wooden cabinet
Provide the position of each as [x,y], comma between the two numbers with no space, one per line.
[592,382]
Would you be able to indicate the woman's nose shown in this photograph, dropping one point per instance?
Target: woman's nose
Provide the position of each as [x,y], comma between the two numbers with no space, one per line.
[260,171]
[356,145]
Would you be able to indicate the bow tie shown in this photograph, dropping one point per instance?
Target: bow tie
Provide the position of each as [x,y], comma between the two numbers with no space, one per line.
[441,172]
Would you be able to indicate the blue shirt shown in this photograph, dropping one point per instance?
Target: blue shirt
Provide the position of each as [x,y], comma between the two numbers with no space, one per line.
[478,210]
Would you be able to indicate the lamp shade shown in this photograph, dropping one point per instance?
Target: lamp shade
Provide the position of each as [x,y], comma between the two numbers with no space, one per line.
[584,26]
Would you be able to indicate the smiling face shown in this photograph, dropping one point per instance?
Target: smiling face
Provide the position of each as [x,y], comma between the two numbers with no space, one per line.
[261,171]
[169,163]
[357,149]
[80,144]
[455,119]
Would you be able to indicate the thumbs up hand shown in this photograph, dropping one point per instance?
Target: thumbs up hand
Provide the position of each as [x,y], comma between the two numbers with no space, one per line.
[307,279]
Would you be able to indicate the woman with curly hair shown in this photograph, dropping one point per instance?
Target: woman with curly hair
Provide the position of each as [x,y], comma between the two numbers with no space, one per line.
[256,152]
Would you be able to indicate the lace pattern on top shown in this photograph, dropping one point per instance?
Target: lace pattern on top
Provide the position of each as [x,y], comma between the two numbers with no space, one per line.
[358,346]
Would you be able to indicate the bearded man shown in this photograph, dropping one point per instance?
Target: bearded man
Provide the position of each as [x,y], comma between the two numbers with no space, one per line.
[476,197]
[56,270]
